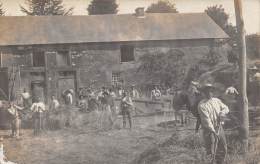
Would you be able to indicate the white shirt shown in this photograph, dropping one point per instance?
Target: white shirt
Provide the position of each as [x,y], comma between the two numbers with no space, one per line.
[112,94]
[25,95]
[70,98]
[156,93]
[231,90]
[54,104]
[38,107]
[209,111]
[13,110]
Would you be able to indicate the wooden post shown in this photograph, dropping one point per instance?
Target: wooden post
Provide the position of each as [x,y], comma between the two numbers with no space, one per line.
[46,78]
[244,127]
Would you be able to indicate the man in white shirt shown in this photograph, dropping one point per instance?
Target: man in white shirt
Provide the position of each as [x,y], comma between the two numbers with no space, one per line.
[38,108]
[134,93]
[126,107]
[211,111]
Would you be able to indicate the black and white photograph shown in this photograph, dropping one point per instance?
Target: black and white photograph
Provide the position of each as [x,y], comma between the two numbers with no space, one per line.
[129,81]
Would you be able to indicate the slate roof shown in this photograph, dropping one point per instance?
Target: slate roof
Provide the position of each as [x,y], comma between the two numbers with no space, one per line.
[30,30]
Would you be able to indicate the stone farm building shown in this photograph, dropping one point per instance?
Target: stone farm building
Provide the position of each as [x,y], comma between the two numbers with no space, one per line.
[53,53]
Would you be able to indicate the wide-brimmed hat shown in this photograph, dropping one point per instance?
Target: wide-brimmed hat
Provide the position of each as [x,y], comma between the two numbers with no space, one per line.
[195,83]
[207,86]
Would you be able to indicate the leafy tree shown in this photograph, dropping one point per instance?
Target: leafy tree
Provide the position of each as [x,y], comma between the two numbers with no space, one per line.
[2,12]
[45,7]
[218,14]
[164,68]
[162,6]
[252,44]
[100,7]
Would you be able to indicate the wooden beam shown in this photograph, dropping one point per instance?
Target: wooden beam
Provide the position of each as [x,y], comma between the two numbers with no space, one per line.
[244,127]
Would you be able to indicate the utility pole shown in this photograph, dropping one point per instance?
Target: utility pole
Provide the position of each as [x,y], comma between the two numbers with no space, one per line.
[244,127]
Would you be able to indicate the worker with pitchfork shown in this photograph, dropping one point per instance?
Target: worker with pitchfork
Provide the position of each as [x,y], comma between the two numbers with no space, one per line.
[212,112]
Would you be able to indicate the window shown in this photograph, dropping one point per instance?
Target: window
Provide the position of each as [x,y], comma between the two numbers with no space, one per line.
[38,59]
[127,53]
[62,58]
[116,78]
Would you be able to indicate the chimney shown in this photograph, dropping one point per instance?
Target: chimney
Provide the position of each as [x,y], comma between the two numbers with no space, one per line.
[139,12]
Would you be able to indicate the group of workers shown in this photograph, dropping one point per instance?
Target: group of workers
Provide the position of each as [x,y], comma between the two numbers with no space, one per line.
[209,110]
[36,107]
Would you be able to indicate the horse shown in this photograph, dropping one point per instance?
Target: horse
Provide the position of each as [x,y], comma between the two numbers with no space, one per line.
[185,102]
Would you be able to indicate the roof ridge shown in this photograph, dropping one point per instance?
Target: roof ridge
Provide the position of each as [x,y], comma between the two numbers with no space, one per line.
[104,15]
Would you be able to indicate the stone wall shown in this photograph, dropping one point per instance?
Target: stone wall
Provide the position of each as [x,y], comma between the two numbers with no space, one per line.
[96,65]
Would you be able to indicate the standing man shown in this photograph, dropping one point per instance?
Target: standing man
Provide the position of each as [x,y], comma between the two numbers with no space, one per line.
[211,112]
[54,104]
[15,119]
[134,93]
[126,105]
[38,109]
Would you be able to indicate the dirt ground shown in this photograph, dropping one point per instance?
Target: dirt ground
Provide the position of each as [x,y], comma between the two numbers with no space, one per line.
[87,145]
[146,143]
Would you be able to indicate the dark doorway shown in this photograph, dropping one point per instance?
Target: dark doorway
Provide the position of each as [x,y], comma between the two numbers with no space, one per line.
[4,82]
[37,88]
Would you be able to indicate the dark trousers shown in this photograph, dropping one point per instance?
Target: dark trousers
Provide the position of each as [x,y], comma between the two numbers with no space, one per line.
[210,145]
[37,123]
[15,126]
[126,113]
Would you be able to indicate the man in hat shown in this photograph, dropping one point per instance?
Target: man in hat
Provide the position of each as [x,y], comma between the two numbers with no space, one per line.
[211,111]
[38,109]
[133,92]
[15,119]
[126,106]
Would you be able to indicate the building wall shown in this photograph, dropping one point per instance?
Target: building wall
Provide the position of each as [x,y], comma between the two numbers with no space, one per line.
[45,76]
[93,64]
[97,62]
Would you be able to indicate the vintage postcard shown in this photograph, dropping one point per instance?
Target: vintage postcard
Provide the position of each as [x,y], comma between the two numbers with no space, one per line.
[129,81]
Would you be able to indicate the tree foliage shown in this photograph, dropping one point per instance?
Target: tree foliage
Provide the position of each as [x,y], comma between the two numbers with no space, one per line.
[252,46]
[162,6]
[100,7]
[218,14]
[45,7]
[166,69]
[2,12]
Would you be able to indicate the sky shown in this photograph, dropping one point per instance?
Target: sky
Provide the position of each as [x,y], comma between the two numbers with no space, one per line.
[251,8]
